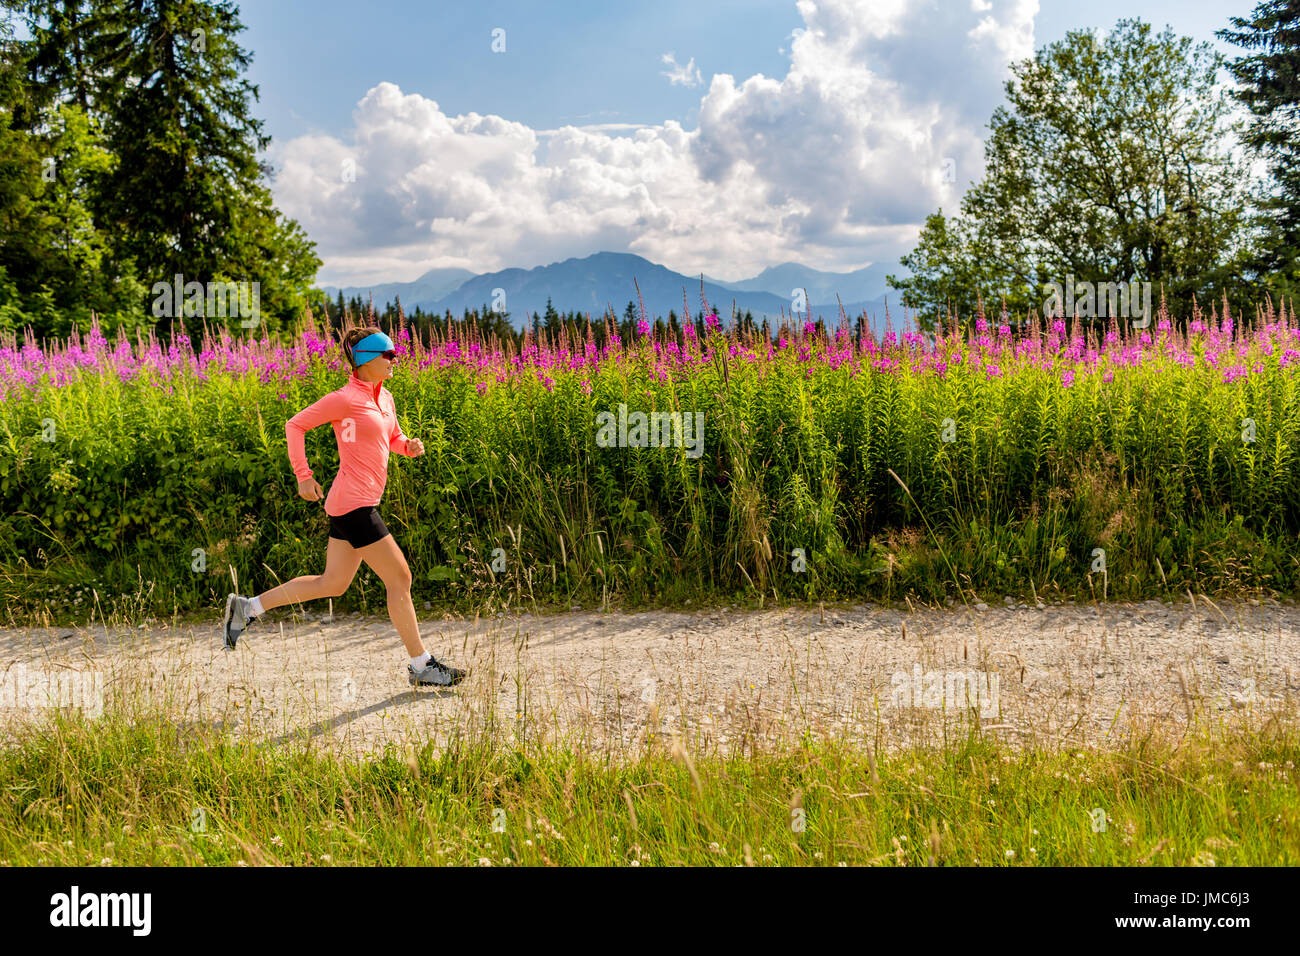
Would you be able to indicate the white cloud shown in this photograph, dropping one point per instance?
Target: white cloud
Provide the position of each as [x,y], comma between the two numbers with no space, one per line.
[835,164]
[681,75]
[599,127]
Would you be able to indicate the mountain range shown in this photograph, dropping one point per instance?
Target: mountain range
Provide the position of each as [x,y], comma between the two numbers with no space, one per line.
[605,280]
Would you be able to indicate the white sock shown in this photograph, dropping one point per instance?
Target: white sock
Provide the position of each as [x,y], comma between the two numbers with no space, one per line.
[418,662]
[255,607]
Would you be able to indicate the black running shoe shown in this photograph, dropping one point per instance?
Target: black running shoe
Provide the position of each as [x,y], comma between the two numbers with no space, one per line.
[434,674]
[238,617]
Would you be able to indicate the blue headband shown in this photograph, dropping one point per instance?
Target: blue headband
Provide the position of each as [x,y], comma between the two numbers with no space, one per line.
[376,343]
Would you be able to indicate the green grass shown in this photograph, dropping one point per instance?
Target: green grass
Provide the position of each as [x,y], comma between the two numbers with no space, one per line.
[144,792]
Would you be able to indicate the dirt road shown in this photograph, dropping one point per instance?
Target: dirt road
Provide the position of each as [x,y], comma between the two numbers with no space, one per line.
[721,679]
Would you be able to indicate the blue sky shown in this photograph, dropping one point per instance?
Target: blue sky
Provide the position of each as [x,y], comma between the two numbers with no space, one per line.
[570,62]
[403,142]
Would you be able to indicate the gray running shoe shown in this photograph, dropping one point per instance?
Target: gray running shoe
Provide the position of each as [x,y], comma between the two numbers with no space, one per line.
[237,619]
[434,674]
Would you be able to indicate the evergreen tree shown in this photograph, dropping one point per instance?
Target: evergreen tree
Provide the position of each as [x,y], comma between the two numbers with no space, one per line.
[60,268]
[21,223]
[1270,89]
[187,194]
[64,52]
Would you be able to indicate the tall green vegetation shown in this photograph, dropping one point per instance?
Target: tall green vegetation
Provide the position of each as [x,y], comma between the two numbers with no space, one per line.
[1110,162]
[998,464]
[135,158]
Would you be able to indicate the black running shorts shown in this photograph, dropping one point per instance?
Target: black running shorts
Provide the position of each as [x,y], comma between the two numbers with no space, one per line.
[359,527]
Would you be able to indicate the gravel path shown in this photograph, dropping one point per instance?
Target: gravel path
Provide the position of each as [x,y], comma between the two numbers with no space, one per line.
[722,679]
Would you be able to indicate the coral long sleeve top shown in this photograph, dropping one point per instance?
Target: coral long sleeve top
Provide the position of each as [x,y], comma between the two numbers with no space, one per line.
[365,426]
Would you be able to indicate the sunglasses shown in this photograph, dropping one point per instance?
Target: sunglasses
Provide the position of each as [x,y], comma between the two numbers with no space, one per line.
[390,354]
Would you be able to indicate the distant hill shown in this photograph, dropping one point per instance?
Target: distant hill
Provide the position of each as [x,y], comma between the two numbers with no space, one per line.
[431,286]
[861,285]
[605,280]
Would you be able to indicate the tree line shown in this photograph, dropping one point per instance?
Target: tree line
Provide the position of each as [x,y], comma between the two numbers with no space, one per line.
[552,325]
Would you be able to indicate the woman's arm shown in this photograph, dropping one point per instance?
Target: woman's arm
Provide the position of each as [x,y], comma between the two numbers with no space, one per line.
[399,443]
[396,440]
[327,409]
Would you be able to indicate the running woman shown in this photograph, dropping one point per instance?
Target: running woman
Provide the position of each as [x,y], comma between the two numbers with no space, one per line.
[366,428]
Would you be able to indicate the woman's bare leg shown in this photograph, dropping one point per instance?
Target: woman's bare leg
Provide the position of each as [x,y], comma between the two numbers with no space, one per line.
[341,563]
[386,560]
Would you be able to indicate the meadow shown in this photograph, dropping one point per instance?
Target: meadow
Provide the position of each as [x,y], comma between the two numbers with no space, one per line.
[139,478]
[1045,462]
[123,791]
